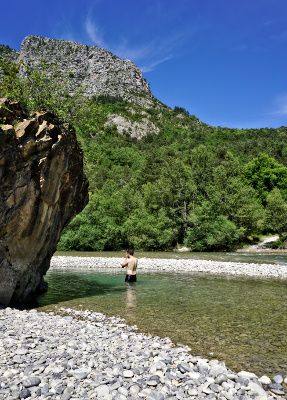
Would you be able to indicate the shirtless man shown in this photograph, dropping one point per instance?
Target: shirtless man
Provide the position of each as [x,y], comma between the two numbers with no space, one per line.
[130,263]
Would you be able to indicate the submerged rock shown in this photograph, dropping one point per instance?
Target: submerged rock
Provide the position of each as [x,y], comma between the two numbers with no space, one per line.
[42,187]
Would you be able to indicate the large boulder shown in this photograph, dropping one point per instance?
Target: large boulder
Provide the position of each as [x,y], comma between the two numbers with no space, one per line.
[42,186]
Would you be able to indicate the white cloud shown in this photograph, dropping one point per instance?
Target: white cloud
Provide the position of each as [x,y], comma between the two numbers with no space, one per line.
[127,51]
[152,65]
[94,33]
[281,105]
[148,55]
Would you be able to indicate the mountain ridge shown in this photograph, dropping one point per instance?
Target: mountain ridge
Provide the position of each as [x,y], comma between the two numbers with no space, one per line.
[94,70]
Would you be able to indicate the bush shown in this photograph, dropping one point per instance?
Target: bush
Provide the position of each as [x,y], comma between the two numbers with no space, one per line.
[181,110]
[219,234]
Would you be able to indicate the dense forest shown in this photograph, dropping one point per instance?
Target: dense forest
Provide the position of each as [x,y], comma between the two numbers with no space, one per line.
[208,188]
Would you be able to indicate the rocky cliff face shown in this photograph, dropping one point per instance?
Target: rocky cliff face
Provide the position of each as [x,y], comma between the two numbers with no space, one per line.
[42,187]
[95,70]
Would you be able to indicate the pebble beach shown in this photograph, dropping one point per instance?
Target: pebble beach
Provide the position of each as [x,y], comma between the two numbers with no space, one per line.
[83,355]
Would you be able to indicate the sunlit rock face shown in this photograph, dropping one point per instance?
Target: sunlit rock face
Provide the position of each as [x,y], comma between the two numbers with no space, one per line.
[96,71]
[42,186]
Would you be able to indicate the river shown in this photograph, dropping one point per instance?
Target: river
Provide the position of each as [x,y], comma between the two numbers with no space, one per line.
[239,320]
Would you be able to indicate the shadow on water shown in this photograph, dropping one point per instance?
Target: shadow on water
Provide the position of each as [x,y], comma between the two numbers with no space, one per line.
[78,286]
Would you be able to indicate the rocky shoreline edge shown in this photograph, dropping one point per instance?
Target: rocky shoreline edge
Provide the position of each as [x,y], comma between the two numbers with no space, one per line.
[274,271]
[86,355]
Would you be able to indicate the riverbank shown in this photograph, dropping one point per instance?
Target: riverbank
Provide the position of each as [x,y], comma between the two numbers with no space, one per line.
[86,355]
[264,246]
[274,271]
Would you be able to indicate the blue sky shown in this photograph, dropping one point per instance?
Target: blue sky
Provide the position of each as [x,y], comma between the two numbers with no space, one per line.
[223,60]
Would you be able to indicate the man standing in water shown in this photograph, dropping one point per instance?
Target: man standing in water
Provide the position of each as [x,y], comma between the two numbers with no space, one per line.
[130,263]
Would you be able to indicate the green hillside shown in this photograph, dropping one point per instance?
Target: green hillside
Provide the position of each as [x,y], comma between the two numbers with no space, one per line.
[184,182]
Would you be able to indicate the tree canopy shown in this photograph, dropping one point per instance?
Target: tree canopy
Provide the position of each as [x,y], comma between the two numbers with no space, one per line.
[209,188]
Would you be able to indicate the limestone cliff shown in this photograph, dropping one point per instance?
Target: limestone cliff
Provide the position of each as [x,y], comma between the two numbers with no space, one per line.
[95,70]
[42,187]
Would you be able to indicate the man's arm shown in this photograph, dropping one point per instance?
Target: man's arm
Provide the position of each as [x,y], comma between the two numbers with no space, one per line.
[125,263]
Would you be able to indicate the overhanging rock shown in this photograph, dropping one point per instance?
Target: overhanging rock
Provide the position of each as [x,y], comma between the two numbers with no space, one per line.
[42,186]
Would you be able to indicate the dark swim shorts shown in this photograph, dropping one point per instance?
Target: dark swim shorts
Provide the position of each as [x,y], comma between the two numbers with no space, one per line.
[131,278]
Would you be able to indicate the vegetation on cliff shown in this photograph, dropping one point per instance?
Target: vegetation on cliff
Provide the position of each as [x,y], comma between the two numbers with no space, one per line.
[210,188]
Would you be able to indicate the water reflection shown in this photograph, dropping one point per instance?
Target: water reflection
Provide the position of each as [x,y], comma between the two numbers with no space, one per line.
[131,298]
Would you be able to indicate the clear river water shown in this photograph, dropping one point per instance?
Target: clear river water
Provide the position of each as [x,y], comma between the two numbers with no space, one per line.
[241,321]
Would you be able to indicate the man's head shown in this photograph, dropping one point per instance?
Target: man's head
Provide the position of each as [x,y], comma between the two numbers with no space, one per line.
[130,252]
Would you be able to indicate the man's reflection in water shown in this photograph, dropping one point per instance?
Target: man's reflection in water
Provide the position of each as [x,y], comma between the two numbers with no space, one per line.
[131,299]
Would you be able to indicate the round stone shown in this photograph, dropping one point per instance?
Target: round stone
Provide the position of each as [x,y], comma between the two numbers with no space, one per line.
[128,373]
[25,393]
[134,390]
[220,379]
[22,351]
[192,392]
[247,375]
[32,381]
[215,388]
[123,390]
[278,379]
[80,374]
[102,391]
[265,380]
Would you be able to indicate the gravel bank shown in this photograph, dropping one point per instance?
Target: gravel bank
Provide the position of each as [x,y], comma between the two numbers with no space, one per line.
[170,265]
[83,355]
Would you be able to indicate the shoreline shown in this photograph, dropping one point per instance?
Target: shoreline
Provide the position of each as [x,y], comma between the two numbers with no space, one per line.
[87,355]
[219,268]
[267,251]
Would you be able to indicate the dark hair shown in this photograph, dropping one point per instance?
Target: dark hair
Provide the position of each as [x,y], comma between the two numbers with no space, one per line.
[130,252]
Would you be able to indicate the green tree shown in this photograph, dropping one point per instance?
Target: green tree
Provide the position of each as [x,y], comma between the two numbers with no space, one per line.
[230,195]
[148,231]
[211,232]
[276,210]
[211,187]
[10,84]
[264,173]
[202,163]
